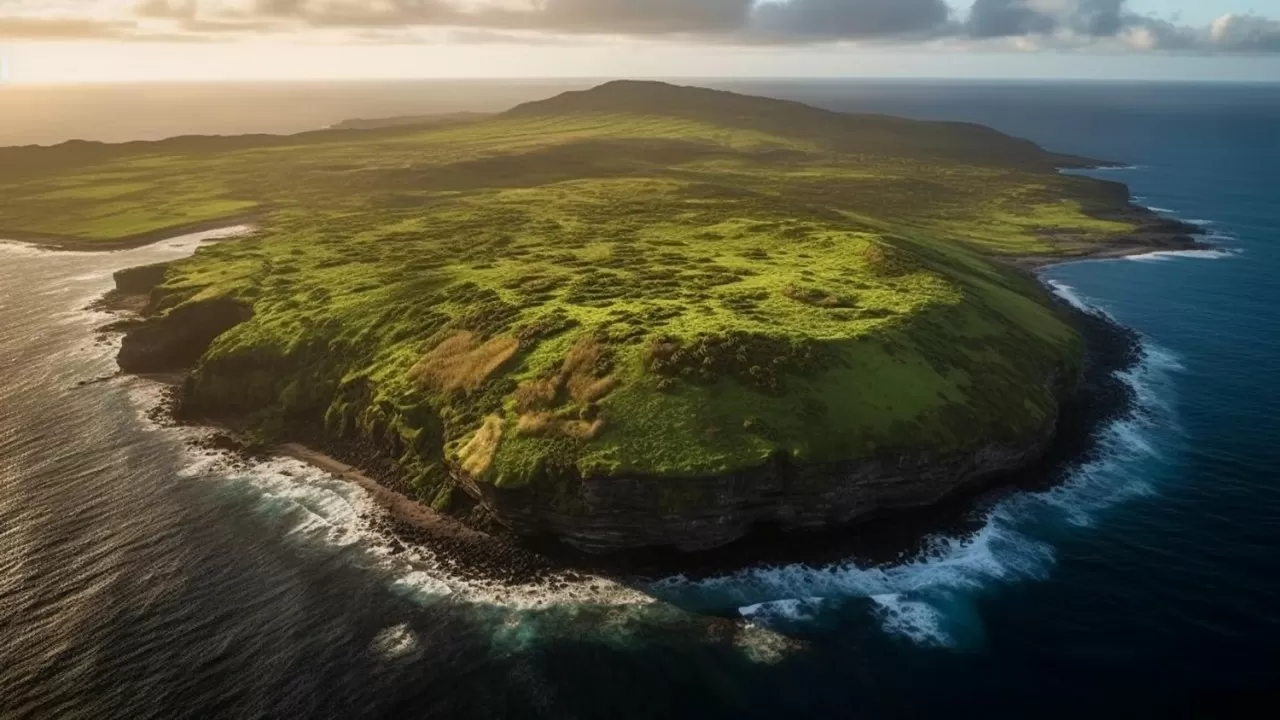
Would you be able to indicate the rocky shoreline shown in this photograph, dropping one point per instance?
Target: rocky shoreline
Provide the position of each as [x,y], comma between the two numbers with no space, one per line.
[1155,233]
[482,550]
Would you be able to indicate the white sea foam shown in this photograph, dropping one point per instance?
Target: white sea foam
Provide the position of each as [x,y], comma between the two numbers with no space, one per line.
[1167,255]
[181,244]
[792,609]
[14,247]
[188,243]
[1069,294]
[916,620]
[397,642]
[421,587]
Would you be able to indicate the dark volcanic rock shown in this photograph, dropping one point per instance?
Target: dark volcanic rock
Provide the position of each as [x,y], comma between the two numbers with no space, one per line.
[176,341]
[140,280]
[605,515]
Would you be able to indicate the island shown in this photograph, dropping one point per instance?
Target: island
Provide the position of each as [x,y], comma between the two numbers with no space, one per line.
[633,316]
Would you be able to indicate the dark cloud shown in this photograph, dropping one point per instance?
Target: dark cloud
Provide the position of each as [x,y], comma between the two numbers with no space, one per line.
[831,19]
[1099,18]
[1011,18]
[647,17]
[1007,18]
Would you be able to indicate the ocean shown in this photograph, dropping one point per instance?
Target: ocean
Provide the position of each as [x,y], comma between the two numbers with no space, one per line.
[141,577]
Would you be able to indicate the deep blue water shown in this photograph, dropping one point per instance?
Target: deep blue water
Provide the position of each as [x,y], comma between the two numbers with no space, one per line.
[141,579]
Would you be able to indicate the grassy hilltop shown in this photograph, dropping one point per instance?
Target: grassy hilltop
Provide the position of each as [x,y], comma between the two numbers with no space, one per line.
[638,279]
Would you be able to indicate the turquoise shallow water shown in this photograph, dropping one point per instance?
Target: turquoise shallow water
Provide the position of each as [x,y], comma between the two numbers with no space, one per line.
[138,579]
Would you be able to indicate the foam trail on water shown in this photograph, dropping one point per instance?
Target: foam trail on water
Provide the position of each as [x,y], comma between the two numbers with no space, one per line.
[913,619]
[397,642]
[1167,255]
[1069,294]
[793,610]
[929,598]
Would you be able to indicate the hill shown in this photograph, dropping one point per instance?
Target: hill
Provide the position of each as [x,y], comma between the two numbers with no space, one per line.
[408,120]
[634,315]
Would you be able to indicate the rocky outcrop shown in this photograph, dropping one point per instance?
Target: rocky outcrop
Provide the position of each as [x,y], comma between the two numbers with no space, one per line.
[617,513]
[134,289]
[140,280]
[177,339]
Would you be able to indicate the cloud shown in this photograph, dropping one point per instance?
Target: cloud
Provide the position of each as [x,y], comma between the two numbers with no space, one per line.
[39,28]
[318,13]
[1245,33]
[1021,24]
[1144,33]
[849,19]
[647,17]
[1010,18]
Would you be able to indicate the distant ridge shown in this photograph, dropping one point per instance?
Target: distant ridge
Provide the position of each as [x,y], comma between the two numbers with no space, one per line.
[861,133]
[408,121]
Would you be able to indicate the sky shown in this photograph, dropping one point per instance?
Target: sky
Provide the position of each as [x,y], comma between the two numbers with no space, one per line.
[68,41]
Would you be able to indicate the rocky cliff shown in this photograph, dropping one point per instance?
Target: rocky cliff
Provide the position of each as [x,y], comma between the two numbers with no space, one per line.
[609,514]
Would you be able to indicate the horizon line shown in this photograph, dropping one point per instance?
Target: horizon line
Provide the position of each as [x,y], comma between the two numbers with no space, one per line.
[674,79]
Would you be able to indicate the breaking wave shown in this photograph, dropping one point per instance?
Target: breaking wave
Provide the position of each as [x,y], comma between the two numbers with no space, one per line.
[1166,255]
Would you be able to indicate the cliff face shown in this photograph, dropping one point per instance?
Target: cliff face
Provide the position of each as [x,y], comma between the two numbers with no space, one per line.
[610,514]
[177,340]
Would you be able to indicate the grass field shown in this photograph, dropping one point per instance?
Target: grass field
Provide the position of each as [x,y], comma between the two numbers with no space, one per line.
[635,279]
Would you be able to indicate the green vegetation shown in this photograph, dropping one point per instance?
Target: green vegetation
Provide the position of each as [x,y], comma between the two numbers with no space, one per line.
[635,279]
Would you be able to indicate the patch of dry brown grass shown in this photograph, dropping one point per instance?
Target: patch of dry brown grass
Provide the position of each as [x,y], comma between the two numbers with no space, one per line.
[537,394]
[544,424]
[577,377]
[574,389]
[477,455]
[588,389]
[536,423]
[460,362]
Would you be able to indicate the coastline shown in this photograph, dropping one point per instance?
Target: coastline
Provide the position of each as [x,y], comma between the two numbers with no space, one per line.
[509,559]
[68,243]
[1155,234]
